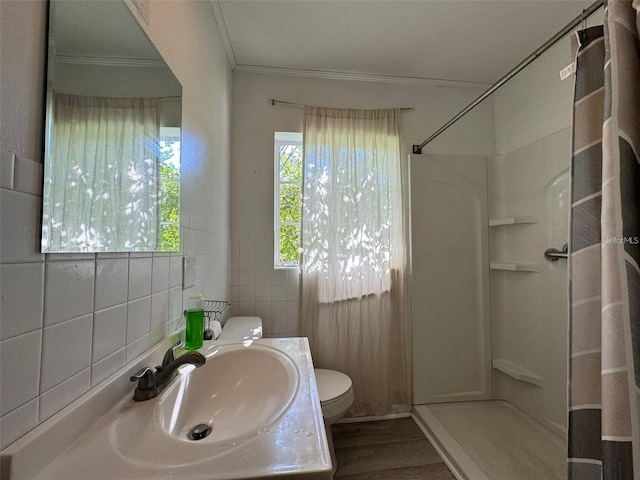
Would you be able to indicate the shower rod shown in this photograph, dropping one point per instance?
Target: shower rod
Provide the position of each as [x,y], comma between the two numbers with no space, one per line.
[513,72]
[294,104]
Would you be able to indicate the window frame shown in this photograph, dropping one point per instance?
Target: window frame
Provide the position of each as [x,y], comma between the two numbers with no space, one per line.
[282,138]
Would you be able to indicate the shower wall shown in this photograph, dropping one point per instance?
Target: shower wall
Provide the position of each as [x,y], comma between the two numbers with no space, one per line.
[450,279]
[528,195]
[528,204]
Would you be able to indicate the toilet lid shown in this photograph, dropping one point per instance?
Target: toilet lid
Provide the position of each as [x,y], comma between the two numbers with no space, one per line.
[331,384]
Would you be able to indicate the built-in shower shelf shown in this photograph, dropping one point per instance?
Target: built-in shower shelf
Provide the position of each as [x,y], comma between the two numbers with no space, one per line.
[497,222]
[514,267]
[517,372]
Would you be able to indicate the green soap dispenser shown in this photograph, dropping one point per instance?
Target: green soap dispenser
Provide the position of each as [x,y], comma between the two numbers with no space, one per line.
[195,323]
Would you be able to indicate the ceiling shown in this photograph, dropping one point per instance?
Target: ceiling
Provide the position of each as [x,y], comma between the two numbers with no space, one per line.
[452,40]
[92,29]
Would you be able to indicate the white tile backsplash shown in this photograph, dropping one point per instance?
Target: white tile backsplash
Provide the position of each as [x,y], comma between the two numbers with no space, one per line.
[64,393]
[263,309]
[246,308]
[107,366]
[109,331]
[279,293]
[112,278]
[280,277]
[175,302]
[263,293]
[247,245]
[257,288]
[264,261]
[293,292]
[136,348]
[279,309]
[175,271]
[15,424]
[138,319]
[53,299]
[68,290]
[22,298]
[263,277]
[247,261]
[66,351]
[160,274]
[246,277]
[265,245]
[247,293]
[159,309]
[140,277]
[292,309]
[19,372]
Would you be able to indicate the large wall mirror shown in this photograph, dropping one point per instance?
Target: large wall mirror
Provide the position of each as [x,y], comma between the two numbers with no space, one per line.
[112,134]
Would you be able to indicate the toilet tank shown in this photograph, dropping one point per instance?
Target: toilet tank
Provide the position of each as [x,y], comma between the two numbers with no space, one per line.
[241,328]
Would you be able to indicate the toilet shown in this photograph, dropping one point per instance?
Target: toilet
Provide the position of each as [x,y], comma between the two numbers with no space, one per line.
[241,328]
[336,396]
[334,388]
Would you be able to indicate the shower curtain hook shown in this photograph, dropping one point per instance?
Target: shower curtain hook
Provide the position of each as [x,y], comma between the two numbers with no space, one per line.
[583,25]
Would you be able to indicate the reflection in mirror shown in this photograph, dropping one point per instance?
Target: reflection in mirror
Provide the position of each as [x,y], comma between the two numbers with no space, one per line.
[112,141]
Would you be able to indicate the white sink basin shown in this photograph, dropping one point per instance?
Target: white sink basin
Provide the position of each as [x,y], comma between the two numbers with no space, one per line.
[258,398]
[237,392]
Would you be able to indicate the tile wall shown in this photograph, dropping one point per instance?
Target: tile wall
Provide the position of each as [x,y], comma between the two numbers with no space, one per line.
[71,320]
[259,289]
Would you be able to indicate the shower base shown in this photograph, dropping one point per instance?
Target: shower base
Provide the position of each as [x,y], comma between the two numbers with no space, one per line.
[493,440]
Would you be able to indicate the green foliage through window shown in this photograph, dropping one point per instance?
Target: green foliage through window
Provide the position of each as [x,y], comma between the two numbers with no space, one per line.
[169,186]
[289,198]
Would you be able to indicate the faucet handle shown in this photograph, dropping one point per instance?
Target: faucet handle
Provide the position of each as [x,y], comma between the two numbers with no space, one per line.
[145,378]
[169,355]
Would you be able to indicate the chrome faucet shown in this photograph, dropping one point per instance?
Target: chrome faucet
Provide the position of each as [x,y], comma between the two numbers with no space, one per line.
[151,383]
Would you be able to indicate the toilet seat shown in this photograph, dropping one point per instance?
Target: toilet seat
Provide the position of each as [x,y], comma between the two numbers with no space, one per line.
[335,390]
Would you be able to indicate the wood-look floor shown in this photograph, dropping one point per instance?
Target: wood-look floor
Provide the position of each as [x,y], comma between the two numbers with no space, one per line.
[386,450]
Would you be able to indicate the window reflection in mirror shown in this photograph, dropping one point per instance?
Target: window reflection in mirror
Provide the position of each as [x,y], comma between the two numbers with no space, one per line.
[112,140]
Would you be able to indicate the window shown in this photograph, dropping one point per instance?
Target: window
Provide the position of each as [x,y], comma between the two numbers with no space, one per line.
[288,198]
[169,185]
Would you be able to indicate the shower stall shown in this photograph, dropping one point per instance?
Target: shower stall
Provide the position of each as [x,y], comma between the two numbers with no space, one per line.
[489,311]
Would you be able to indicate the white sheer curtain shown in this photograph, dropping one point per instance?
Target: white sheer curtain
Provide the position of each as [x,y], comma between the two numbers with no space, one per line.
[353,260]
[100,187]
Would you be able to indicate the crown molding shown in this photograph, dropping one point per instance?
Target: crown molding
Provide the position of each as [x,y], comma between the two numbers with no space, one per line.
[224,34]
[110,61]
[360,77]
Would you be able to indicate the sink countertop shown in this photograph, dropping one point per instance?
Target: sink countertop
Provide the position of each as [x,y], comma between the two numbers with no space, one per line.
[293,445]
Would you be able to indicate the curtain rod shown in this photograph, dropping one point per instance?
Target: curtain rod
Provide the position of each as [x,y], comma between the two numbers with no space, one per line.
[548,44]
[293,104]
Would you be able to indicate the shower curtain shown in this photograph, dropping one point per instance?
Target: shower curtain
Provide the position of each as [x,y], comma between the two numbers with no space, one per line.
[604,272]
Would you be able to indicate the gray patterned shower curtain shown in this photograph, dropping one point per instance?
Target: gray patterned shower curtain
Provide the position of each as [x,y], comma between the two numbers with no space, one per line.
[604,266]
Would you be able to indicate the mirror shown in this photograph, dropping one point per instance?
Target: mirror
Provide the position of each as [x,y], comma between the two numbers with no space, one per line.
[112,134]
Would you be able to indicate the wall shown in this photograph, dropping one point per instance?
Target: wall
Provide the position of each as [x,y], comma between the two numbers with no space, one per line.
[450,324]
[109,81]
[69,321]
[530,176]
[258,289]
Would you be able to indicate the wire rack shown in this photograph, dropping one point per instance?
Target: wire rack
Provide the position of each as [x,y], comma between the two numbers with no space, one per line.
[213,308]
